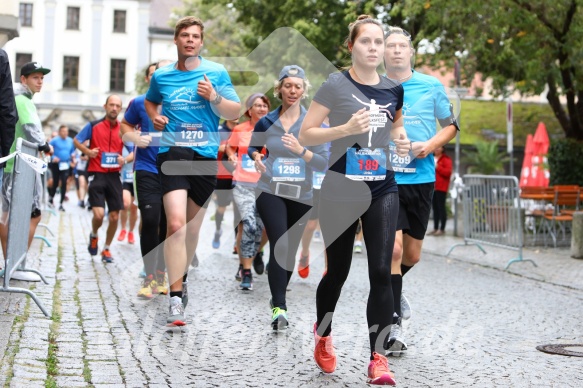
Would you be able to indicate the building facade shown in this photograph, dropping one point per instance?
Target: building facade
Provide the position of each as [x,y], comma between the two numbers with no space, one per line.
[94,48]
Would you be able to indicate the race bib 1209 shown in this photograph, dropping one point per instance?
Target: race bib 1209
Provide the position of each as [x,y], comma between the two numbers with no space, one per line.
[407,164]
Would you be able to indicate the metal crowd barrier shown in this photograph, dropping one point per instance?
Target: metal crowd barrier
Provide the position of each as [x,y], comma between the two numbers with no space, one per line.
[492,214]
[44,202]
[19,221]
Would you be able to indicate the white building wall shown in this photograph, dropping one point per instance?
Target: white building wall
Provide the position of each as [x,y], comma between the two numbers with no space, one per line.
[94,43]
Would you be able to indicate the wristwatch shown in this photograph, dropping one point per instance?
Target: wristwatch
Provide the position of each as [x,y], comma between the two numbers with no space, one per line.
[217,99]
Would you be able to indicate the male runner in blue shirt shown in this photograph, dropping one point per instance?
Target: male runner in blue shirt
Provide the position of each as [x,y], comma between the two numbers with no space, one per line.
[425,102]
[193,93]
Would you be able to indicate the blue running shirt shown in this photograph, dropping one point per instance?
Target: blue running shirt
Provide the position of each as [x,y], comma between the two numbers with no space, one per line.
[145,158]
[192,119]
[425,102]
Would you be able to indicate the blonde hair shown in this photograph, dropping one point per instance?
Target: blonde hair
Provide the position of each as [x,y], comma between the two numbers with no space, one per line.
[398,30]
[278,84]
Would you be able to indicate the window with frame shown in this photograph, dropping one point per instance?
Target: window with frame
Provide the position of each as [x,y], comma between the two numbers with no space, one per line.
[21,60]
[117,75]
[25,14]
[73,18]
[70,72]
[119,21]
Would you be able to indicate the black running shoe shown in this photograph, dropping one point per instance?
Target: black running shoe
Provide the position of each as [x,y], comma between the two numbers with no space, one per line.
[258,264]
[239,274]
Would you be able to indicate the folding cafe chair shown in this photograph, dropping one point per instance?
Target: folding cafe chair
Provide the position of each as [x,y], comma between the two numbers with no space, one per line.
[566,202]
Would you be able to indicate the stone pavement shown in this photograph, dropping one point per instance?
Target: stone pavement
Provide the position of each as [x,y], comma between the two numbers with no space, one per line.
[473,323]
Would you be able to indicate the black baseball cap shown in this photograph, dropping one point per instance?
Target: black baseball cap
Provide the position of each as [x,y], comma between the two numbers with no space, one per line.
[33,67]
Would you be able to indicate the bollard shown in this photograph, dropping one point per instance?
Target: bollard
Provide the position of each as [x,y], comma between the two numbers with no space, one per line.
[577,236]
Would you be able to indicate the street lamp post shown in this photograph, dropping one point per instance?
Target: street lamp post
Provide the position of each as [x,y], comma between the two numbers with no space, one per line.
[461,92]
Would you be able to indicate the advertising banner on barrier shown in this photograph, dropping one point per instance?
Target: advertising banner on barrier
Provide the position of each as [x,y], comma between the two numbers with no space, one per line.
[36,164]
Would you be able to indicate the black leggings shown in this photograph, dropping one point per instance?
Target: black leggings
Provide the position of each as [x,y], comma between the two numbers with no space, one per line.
[439,211]
[59,178]
[284,221]
[379,222]
[152,236]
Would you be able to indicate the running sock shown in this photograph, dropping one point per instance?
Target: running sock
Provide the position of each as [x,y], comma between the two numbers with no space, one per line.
[397,285]
[185,278]
[176,293]
[218,220]
[105,247]
[246,271]
[93,235]
[405,269]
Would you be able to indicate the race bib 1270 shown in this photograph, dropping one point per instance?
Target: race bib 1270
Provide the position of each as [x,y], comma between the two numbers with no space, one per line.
[190,135]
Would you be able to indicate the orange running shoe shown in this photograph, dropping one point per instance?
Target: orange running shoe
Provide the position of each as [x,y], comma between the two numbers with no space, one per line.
[378,371]
[122,235]
[92,248]
[304,266]
[324,352]
[106,256]
[131,239]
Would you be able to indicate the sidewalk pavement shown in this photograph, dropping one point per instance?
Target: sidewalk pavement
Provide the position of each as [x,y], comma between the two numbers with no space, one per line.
[554,265]
[473,323]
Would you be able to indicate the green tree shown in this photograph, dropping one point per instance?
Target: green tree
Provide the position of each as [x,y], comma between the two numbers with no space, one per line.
[141,85]
[323,23]
[531,46]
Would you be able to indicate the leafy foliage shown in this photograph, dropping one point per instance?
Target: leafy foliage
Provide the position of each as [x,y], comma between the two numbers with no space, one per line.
[487,159]
[141,85]
[566,162]
[531,46]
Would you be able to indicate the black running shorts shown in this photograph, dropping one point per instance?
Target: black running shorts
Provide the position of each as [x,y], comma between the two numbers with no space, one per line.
[148,188]
[414,208]
[199,187]
[105,187]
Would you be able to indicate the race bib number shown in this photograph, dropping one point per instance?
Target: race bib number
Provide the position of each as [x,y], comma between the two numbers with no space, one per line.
[63,166]
[190,135]
[247,163]
[109,160]
[128,176]
[366,164]
[407,164]
[289,170]
[317,179]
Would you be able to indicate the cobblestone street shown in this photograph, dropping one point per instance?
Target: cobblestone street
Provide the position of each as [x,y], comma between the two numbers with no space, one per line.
[472,324]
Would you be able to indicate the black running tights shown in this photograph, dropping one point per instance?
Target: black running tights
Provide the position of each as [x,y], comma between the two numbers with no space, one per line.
[379,223]
[284,221]
[152,236]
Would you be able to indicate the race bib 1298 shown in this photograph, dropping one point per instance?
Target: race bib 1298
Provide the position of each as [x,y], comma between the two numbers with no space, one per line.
[289,170]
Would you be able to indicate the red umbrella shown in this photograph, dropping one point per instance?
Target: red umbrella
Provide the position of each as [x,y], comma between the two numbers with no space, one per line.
[540,168]
[526,173]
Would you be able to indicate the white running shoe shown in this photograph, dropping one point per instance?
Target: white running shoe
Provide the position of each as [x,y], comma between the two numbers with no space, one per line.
[405,307]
